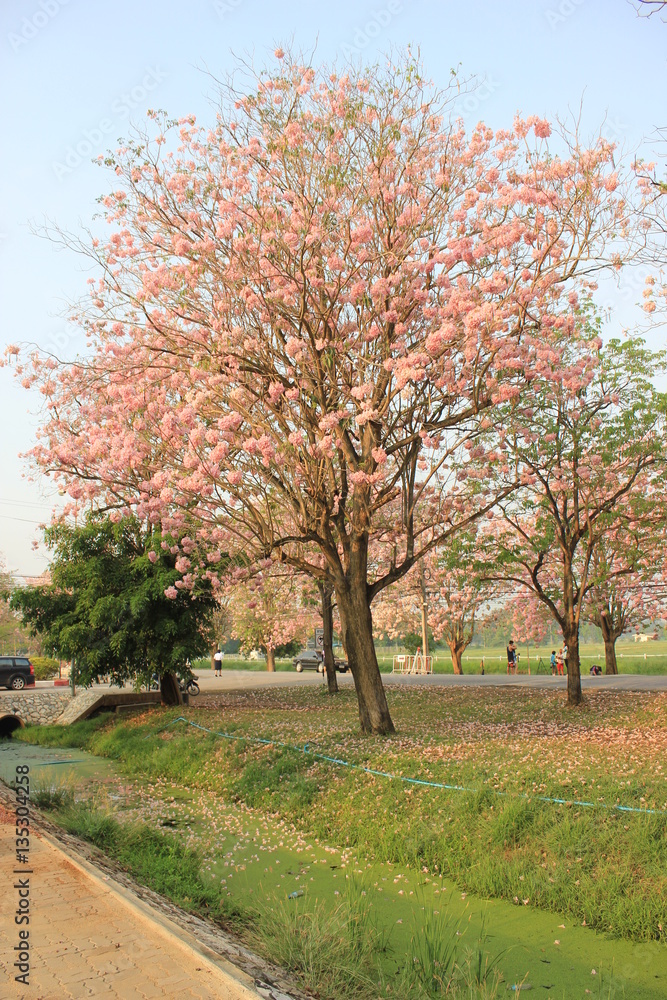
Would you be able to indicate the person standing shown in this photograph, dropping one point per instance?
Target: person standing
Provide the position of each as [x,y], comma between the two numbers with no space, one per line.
[511,657]
[553,662]
[217,662]
[565,658]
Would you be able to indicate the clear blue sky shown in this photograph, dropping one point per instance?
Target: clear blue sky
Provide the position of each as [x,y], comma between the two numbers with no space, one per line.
[75,73]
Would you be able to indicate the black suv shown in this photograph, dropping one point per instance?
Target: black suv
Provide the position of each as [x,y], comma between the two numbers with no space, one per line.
[16,672]
[313,659]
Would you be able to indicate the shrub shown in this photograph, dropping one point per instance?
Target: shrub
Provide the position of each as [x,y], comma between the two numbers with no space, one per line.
[45,667]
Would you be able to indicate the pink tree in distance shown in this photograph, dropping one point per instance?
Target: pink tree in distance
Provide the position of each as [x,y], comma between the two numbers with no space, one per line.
[270,609]
[627,588]
[592,466]
[448,588]
[528,619]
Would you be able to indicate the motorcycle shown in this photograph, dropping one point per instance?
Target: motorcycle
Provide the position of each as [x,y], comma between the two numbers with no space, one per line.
[187,685]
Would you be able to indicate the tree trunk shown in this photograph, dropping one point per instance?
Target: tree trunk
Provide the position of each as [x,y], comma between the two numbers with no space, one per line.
[609,636]
[170,690]
[457,653]
[571,637]
[422,583]
[357,625]
[610,664]
[327,625]
[270,659]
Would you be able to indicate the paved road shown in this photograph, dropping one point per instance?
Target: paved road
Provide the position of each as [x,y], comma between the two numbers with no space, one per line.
[243,679]
[235,680]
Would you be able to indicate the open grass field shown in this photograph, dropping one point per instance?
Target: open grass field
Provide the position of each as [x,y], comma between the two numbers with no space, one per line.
[543,861]
[633,658]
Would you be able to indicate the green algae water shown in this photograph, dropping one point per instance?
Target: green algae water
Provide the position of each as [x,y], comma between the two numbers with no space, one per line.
[267,864]
[52,766]
[263,863]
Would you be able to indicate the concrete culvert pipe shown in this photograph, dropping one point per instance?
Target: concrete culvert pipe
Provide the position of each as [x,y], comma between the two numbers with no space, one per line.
[8,723]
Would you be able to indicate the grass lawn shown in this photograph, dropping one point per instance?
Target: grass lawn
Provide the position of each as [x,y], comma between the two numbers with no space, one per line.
[632,658]
[412,882]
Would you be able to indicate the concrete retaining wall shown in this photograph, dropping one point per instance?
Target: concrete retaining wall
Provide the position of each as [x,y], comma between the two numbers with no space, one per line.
[34,708]
[43,707]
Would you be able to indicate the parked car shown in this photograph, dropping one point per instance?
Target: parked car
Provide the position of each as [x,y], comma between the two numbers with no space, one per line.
[313,659]
[16,672]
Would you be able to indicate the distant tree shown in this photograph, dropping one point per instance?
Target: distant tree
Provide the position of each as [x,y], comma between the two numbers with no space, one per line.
[8,620]
[627,586]
[270,608]
[13,636]
[457,597]
[590,454]
[221,625]
[412,641]
[290,648]
[117,605]
[528,619]
[448,590]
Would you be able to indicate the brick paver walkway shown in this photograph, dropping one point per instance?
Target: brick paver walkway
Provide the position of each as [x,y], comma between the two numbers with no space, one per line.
[88,940]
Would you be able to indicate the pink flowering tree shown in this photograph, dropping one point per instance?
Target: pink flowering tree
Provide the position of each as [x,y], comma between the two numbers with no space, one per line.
[628,581]
[528,617]
[397,611]
[269,609]
[457,603]
[304,312]
[448,589]
[653,190]
[590,454]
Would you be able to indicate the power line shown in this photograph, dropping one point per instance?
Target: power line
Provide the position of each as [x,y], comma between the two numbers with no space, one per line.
[24,503]
[13,517]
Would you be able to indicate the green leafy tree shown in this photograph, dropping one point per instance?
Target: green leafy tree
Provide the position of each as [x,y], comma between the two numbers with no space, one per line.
[13,638]
[117,605]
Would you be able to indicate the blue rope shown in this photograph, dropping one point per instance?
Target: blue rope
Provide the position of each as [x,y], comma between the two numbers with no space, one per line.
[399,777]
[50,763]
